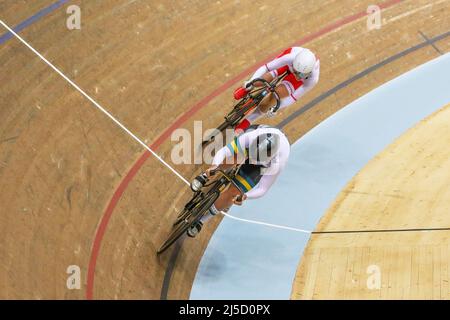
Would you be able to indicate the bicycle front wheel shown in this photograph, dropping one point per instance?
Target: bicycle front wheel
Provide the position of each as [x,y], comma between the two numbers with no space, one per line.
[193,216]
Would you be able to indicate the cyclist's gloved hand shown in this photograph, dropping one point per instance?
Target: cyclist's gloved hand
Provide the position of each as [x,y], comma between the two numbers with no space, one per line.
[271,113]
[208,171]
[248,86]
[238,200]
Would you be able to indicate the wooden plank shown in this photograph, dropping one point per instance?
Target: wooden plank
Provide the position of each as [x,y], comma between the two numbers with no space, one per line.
[415,171]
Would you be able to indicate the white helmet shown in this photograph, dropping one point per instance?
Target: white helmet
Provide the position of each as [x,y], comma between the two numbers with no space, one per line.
[304,63]
[264,148]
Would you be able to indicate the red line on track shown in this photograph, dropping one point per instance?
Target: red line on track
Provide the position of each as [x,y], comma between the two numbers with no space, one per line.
[100,232]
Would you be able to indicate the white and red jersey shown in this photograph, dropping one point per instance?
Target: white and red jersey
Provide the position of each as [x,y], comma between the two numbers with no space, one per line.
[282,63]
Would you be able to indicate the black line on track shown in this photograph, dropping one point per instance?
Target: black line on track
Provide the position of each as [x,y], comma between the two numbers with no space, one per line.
[381,230]
[430,42]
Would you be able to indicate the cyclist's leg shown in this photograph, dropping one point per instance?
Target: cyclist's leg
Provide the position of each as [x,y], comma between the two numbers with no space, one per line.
[256,114]
[264,106]
[223,203]
[268,76]
[247,177]
[262,109]
[270,100]
[244,124]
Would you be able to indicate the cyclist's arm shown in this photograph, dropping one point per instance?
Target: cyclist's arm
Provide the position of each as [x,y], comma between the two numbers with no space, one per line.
[260,72]
[271,66]
[232,153]
[293,97]
[286,102]
[271,174]
[262,187]
[222,156]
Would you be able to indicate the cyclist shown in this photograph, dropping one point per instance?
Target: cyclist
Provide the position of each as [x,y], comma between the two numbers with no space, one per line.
[303,70]
[262,152]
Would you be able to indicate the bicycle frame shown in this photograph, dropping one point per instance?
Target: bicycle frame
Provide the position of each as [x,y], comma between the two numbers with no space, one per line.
[257,94]
[228,177]
[247,104]
[272,85]
[201,198]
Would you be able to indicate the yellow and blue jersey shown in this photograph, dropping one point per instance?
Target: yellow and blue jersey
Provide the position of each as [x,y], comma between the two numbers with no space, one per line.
[249,174]
[248,177]
[236,148]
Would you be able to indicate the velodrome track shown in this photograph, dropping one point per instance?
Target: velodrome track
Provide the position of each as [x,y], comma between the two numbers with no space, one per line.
[240,257]
[396,227]
[79,191]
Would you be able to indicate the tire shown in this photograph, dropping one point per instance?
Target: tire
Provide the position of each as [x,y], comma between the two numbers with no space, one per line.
[239,105]
[181,217]
[236,118]
[191,204]
[236,115]
[192,217]
[225,125]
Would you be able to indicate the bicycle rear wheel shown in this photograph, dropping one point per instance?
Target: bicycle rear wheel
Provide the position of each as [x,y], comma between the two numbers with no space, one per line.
[192,217]
[232,118]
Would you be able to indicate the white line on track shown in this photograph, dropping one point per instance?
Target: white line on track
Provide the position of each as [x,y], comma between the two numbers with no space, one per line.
[265,224]
[95,103]
[130,133]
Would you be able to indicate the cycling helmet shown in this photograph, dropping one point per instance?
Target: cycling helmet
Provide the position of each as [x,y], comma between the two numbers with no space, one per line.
[264,148]
[304,63]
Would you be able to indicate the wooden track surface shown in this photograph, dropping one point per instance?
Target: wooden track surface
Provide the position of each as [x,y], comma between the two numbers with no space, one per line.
[404,187]
[147,62]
